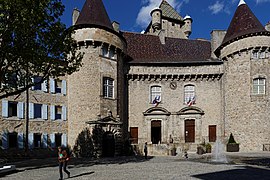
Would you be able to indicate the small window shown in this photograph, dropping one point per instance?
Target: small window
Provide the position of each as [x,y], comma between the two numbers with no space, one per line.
[111,53]
[105,51]
[37,140]
[12,108]
[12,140]
[58,86]
[155,94]
[37,82]
[189,94]
[37,111]
[58,140]
[255,55]
[259,86]
[108,87]
[58,112]
[262,55]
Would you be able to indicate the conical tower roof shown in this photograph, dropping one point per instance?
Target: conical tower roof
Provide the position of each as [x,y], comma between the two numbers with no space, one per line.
[94,13]
[244,22]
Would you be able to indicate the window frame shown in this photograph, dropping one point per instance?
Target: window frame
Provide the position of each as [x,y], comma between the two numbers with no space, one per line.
[188,93]
[256,87]
[108,87]
[155,92]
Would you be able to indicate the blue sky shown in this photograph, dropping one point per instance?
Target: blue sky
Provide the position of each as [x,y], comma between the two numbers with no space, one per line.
[207,15]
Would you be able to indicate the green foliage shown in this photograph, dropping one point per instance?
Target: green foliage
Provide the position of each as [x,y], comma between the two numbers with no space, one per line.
[231,139]
[34,42]
[208,146]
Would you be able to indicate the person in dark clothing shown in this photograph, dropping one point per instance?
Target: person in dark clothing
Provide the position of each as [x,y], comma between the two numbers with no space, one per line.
[145,150]
[63,160]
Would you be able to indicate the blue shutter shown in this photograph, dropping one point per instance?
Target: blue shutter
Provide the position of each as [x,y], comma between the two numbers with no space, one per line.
[20,140]
[4,108]
[31,110]
[5,140]
[44,112]
[44,140]
[20,110]
[64,113]
[52,138]
[64,140]
[44,86]
[64,87]
[52,85]
[52,111]
[31,140]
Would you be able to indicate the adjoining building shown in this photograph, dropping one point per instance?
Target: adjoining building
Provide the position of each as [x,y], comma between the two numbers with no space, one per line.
[158,86]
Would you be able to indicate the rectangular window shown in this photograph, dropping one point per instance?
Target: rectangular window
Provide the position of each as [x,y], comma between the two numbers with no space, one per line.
[38,84]
[134,135]
[259,86]
[37,111]
[58,86]
[37,140]
[12,140]
[155,94]
[111,53]
[58,141]
[58,112]
[189,93]
[108,87]
[12,108]
[212,133]
[262,55]
[105,51]
[255,55]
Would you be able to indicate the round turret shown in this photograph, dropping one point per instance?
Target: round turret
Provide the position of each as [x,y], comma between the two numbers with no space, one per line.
[156,18]
[187,26]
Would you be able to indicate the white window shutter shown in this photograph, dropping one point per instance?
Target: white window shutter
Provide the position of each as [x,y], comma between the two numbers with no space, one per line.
[5,140]
[64,87]
[20,110]
[44,112]
[52,138]
[20,140]
[52,85]
[64,113]
[4,108]
[31,140]
[52,111]
[64,140]
[31,110]
[33,81]
[44,140]
[44,86]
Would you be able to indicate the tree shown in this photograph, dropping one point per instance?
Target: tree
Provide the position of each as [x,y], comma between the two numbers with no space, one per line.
[34,42]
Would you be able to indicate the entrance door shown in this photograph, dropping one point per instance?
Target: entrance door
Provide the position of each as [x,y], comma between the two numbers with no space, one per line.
[156,132]
[108,145]
[189,131]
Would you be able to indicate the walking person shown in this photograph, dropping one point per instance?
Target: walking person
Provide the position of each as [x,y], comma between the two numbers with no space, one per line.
[145,150]
[63,158]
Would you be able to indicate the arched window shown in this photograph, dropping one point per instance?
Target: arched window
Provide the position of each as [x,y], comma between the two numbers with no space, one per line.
[259,86]
[189,94]
[155,95]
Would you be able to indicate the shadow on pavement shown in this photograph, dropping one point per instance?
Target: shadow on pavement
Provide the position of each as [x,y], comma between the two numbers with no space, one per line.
[83,174]
[244,172]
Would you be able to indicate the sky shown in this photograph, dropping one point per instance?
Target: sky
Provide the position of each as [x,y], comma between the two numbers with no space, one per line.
[207,15]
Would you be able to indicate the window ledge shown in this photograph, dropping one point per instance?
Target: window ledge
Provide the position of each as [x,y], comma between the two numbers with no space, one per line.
[13,118]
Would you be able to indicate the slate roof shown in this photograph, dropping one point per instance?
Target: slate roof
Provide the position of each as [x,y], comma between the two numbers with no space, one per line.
[143,48]
[168,11]
[243,23]
[94,13]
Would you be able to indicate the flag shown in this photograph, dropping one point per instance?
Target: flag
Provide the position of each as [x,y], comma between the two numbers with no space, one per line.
[156,101]
[191,101]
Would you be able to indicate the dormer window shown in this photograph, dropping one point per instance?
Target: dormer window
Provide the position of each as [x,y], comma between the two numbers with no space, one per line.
[259,54]
[108,52]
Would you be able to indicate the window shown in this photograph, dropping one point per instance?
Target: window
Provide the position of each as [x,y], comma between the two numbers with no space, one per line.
[155,94]
[108,52]
[259,54]
[12,140]
[111,53]
[12,108]
[134,135]
[58,141]
[189,93]
[37,111]
[37,80]
[37,140]
[105,51]
[259,86]
[58,112]
[58,86]
[108,87]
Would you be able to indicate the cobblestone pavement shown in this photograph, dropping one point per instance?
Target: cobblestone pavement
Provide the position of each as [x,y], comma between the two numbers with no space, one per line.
[240,166]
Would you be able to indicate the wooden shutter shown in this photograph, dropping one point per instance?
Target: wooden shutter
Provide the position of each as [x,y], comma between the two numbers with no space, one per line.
[5,140]
[52,85]
[31,140]
[212,133]
[31,110]
[44,86]
[64,113]
[134,135]
[4,108]
[64,140]
[52,138]
[44,140]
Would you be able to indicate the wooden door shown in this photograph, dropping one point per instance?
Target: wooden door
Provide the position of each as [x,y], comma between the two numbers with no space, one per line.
[212,133]
[134,135]
[189,131]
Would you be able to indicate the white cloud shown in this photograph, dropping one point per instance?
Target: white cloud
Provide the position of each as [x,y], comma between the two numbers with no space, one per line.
[261,1]
[217,7]
[143,17]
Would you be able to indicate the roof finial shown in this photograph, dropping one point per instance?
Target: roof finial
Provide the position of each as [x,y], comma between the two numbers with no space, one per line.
[241,2]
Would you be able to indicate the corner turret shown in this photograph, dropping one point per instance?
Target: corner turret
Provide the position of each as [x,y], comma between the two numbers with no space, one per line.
[156,19]
[187,26]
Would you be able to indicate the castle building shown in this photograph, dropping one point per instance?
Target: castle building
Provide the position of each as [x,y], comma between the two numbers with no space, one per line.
[158,87]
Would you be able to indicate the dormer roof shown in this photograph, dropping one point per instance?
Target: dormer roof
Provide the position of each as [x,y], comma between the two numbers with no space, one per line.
[168,11]
[94,13]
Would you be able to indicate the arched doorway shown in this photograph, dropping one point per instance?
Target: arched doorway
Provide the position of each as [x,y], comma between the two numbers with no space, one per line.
[108,144]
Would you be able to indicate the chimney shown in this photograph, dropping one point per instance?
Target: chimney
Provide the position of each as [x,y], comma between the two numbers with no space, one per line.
[217,37]
[75,15]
